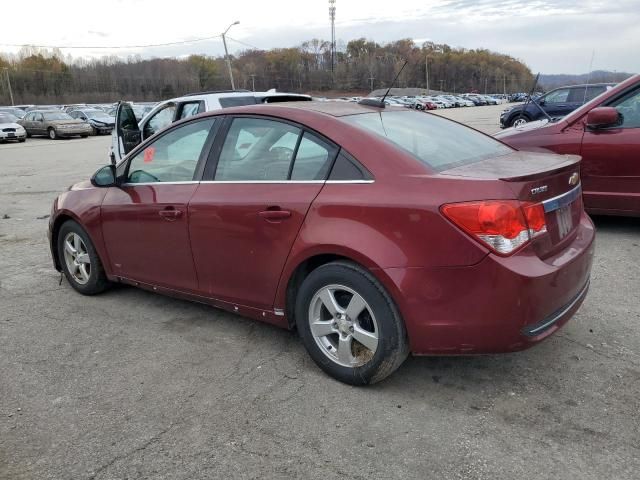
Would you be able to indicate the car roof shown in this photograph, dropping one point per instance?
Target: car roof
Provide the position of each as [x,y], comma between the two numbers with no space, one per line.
[334,109]
[236,93]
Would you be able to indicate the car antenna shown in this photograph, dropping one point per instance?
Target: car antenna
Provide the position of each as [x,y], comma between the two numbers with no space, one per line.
[372,102]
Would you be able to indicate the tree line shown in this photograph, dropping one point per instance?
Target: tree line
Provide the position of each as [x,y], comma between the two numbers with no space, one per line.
[44,76]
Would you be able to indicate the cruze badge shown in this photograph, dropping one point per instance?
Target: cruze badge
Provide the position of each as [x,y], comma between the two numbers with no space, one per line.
[542,189]
[574,178]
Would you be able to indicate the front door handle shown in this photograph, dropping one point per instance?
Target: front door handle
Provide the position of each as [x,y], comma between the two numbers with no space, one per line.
[275,215]
[170,214]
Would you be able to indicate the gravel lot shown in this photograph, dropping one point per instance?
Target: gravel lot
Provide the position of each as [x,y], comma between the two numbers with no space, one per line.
[130,384]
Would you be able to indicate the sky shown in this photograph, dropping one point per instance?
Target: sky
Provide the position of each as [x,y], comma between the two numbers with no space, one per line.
[550,36]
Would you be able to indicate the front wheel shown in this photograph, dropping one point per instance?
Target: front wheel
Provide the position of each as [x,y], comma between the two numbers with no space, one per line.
[80,262]
[52,133]
[349,324]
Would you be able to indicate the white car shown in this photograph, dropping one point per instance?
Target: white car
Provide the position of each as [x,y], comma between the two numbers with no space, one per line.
[129,133]
[10,130]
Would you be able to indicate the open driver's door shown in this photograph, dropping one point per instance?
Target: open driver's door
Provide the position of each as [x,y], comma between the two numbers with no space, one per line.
[127,132]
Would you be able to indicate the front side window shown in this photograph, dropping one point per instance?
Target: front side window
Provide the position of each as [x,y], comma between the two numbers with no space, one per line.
[559,96]
[190,109]
[173,157]
[435,141]
[629,107]
[159,120]
[257,150]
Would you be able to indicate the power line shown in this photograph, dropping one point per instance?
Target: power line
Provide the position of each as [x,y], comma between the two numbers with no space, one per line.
[114,47]
[244,43]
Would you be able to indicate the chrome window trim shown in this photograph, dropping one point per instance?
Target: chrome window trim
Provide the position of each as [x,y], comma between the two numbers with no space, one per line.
[186,182]
[276,182]
[562,200]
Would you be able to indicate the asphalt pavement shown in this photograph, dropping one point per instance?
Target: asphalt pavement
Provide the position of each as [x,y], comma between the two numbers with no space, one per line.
[130,384]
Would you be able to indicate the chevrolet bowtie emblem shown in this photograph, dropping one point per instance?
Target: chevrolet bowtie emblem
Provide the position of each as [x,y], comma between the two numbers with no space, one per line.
[574,178]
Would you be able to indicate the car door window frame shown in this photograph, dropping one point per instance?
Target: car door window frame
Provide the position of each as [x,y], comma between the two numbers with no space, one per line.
[182,105]
[214,155]
[122,170]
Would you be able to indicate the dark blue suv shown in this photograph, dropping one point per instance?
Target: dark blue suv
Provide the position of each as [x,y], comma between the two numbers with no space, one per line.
[557,103]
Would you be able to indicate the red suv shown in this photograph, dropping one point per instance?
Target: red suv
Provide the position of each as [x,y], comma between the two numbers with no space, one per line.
[374,231]
[606,133]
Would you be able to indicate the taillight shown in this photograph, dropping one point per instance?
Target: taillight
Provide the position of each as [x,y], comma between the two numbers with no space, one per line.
[502,225]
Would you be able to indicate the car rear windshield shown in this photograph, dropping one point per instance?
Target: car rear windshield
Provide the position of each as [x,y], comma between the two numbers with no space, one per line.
[436,142]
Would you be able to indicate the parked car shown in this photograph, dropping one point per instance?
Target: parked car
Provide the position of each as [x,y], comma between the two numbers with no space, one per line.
[10,129]
[53,124]
[606,133]
[17,112]
[129,132]
[556,103]
[100,121]
[376,232]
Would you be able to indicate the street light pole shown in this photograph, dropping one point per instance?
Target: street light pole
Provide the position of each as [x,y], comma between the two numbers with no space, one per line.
[226,53]
[426,71]
[9,85]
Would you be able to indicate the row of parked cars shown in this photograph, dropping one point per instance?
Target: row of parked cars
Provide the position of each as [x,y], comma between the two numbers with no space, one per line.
[433,102]
[59,121]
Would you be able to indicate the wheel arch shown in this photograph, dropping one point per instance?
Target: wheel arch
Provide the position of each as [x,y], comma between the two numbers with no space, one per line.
[61,219]
[299,269]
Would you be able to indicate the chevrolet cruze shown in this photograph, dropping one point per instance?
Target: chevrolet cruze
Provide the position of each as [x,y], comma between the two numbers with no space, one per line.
[376,232]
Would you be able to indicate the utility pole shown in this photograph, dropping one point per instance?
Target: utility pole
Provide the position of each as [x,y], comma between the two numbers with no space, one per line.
[426,70]
[253,81]
[226,52]
[9,85]
[371,79]
[332,17]
[441,83]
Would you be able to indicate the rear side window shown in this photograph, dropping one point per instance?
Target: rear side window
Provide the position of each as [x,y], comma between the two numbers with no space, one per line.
[313,159]
[347,168]
[585,94]
[226,102]
[436,142]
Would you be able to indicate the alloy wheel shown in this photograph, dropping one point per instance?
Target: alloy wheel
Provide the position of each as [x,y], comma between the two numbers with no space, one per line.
[343,325]
[76,257]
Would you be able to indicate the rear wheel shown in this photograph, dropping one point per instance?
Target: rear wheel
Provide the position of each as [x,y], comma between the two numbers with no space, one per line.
[349,324]
[52,133]
[79,259]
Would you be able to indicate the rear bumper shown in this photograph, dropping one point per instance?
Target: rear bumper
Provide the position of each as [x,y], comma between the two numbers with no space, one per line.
[498,305]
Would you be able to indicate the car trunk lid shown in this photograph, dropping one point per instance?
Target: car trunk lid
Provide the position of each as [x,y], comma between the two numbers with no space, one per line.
[538,178]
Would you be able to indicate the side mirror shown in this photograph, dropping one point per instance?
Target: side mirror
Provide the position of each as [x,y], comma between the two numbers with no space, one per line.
[541,101]
[104,177]
[603,117]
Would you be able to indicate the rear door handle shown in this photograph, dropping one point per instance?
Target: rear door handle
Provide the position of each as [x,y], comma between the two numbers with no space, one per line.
[275,215]
[170,214]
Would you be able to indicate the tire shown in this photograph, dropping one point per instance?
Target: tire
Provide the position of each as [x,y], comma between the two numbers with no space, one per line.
[53,135]
[84,136]
[94,132]
[517,121]
[355,364]
[28,134]
[89,280]
[22,140]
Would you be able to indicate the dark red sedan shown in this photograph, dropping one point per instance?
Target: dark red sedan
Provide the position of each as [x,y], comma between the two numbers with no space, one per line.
[375,232]
[606,133]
